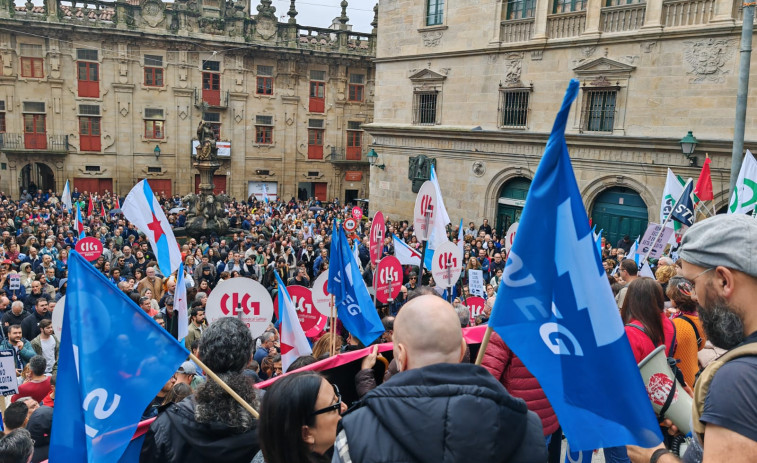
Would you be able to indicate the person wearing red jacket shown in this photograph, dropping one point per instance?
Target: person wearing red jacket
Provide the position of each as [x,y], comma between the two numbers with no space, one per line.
[509,370]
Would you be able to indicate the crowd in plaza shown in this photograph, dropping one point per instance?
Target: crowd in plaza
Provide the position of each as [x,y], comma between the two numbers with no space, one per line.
[434,385]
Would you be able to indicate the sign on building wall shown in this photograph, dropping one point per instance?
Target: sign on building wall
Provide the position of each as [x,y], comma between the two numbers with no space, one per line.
[224,148]
[353,176]
[256,188]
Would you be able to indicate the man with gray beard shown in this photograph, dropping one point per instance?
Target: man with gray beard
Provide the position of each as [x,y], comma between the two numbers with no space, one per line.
[718,260]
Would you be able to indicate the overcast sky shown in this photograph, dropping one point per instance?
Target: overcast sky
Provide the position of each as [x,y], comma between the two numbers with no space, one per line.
[320,13]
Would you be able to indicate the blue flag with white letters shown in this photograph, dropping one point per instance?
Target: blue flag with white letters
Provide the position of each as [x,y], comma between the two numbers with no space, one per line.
[555,309]
[113,360]
[353,303]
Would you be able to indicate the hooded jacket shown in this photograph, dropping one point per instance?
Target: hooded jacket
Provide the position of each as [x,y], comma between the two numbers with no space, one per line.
[440,413]
[176,436]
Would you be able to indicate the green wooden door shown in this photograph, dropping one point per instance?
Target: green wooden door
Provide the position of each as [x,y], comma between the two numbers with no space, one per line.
[513,196]
[619,211]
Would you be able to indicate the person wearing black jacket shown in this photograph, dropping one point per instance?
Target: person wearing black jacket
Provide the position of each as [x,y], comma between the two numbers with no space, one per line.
[425,413]
[210,425]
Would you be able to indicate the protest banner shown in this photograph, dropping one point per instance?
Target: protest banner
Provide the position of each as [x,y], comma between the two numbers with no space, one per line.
[14,282]
[425,207]
[376,237]
[476,282]
[309,316]
[8,381]
[476,306]
[387,279]
[57,317]
[357,213]
[447,265]
[244,298]
[647,241]
[510,236]
[90,248]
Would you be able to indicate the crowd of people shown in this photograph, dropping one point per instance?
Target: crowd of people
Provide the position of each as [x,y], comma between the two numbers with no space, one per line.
[430,383]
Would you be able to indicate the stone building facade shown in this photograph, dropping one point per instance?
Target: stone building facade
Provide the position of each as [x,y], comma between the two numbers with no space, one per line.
[475,86]
[104,94]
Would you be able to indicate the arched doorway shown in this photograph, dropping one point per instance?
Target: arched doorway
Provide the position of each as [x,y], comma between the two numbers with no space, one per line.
[36,176]
[620,211]
[512,198]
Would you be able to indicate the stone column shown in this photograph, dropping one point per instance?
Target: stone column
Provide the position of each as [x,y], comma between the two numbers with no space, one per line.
[540,20]
[593,15]
[52,10]
[239,120]
[653,16]
[128,171]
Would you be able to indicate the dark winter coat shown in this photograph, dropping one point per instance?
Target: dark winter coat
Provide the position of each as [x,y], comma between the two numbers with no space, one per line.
[441,413]
[176,437]
[509,370]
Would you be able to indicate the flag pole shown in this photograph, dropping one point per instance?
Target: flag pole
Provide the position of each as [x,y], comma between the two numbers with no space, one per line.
[225,386]
[484,344]
[662,228]
[332,320]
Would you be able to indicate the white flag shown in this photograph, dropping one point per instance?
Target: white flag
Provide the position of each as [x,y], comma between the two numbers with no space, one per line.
[670,194]
[438,233]
[404,253]
[744,195]
[66,198]
[180,303]
[293,341]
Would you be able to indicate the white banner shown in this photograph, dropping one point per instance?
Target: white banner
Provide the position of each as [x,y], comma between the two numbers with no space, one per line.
[8,381]
[653,231]
[224,148]
[256,188]
[476,282]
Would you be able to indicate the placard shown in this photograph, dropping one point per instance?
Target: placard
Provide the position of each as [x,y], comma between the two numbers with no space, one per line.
[320,294]
[14,282]
[476,306]
[447,264]
[90,248]
[376,238]
[476,282]
[653,231]
[243,298]
[353,176]
[510,236]
[357,213]
[309,316]
[8,381]
[57,317]
[350,225]
[387,279]
[425,210]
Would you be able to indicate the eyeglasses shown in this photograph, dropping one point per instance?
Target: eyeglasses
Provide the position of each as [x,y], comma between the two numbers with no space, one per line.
[686,286]
[330,408]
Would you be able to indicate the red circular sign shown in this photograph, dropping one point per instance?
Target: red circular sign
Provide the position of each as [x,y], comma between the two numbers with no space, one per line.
[387,278]
[376,238]
[357,213]
[308,315]
[90,248]
[350,225]
[476,307]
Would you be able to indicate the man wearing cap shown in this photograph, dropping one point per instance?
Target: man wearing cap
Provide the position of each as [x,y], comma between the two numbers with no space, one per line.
[717,256]
[187,374]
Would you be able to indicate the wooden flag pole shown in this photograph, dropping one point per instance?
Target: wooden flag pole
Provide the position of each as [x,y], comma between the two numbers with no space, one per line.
[225,386]
[333,328]
[484,343]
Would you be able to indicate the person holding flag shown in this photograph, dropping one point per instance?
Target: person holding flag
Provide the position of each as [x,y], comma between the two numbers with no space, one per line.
[79,223]
[555,310]
[66,198]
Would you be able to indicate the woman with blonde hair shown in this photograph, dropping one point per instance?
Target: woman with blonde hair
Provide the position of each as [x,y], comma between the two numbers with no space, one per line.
[322,347]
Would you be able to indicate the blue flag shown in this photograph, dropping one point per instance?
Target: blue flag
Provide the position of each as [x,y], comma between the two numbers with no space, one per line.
[353,303]
[555,309]
[683,211]
[113,359]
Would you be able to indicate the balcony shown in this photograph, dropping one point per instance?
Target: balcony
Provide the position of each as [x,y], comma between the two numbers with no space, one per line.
[622,18]
[339,156]
[517,30]
[24,143]
[211,99]
[565,25]
[679,13]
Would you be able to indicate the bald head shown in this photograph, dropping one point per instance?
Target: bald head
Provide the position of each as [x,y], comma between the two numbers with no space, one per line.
[426,332]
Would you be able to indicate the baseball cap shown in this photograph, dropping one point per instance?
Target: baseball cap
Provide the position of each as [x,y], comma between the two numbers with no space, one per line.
[726,239]
[187,368]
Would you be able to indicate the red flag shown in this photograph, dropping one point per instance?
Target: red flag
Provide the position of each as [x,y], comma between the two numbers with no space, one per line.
[703,188]
[90,208]
[102,210]
[118,203]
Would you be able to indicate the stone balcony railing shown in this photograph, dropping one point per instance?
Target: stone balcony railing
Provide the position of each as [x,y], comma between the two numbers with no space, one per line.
[19,142]
[182,18]
[564,25]
[622,18]
[517,30]
[677,13]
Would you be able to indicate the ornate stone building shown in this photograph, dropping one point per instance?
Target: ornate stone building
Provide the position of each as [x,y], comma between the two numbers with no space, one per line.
[476,86]
[107,93]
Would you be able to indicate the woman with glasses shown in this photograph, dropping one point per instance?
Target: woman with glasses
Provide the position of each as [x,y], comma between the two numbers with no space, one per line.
[298,419]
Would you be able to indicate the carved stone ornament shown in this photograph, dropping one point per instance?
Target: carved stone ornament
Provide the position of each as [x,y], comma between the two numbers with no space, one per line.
[537,55]
[707,59]
[431,38]
[647,47]
[479,168]
[513,71]
[152,13]
[123,108]
[266,28]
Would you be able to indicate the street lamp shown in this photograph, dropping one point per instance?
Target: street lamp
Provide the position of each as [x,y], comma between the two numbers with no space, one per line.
[157,152]
[372,158]
[688,144]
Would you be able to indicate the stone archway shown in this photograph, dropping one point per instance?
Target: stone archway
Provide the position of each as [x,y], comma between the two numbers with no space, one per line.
[590,193]
[36,175]
[491,200]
